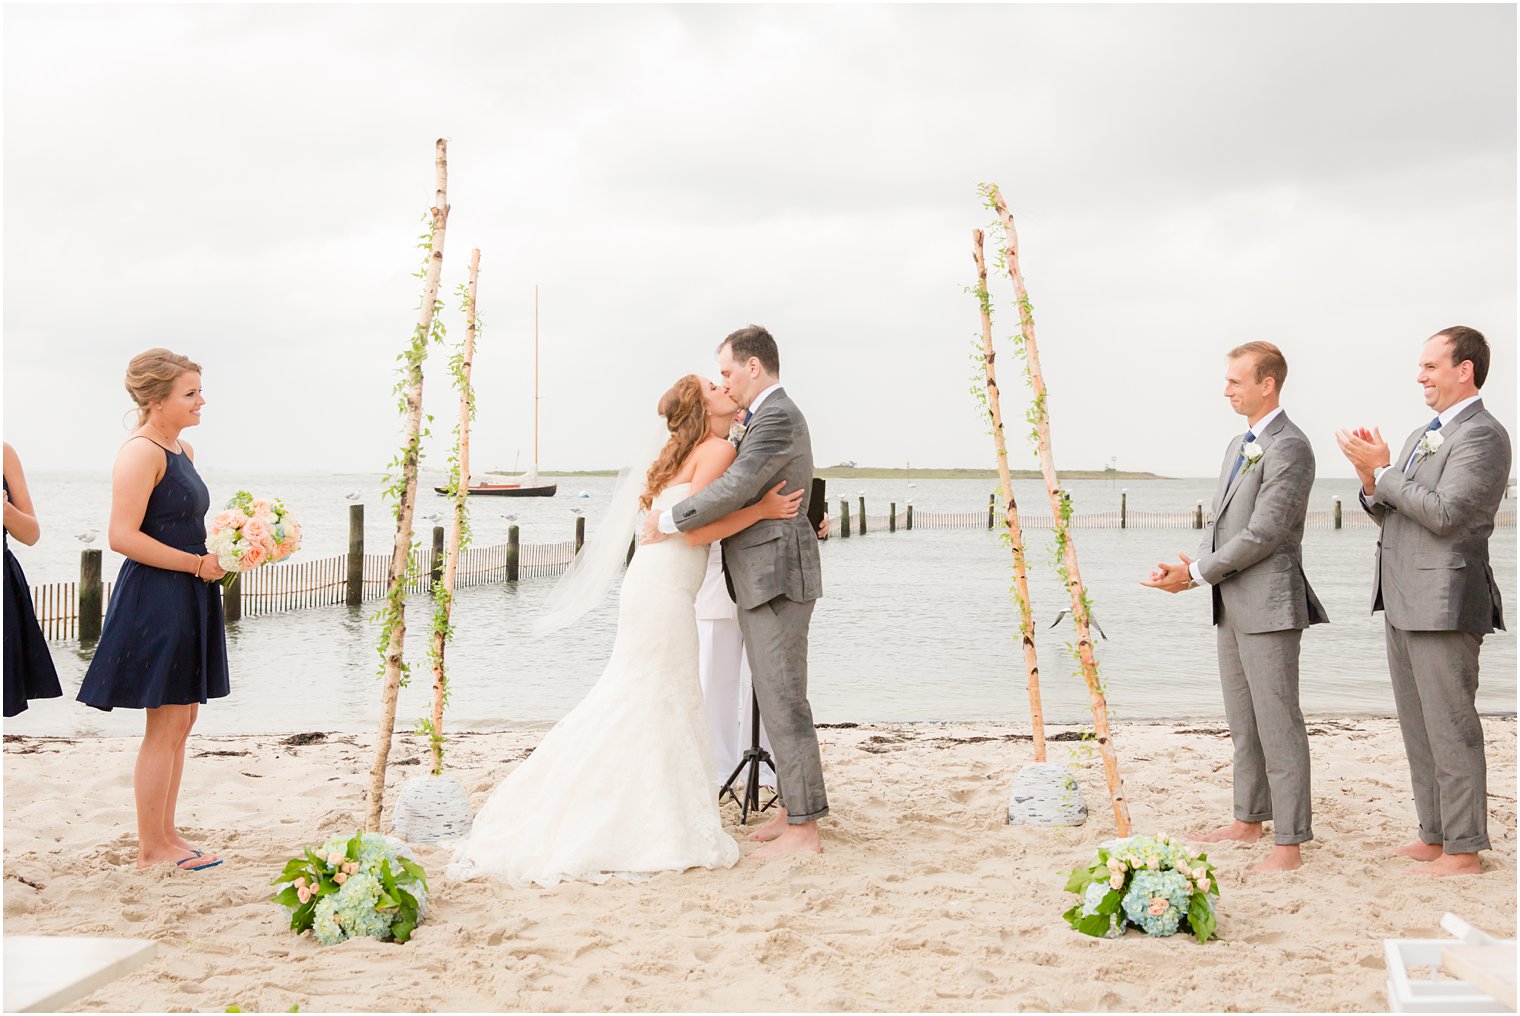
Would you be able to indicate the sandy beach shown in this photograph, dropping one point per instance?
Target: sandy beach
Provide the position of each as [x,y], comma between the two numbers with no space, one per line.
[924,899]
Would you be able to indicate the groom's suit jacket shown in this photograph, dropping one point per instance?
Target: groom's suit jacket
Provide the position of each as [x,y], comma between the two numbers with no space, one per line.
[1433,572]
[1251,553]
[774,557]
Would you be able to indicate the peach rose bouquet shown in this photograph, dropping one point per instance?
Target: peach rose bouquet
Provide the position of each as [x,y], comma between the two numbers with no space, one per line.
[252,532]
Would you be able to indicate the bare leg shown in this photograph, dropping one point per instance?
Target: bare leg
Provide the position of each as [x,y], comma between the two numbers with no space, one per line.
[1449,864]
[171,833]
[1242,832]
[772,828]
[1284,857]
[794,839]
[1419,850]
[163,743]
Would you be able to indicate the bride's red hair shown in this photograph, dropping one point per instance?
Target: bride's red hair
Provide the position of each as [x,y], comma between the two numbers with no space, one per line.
[685,415]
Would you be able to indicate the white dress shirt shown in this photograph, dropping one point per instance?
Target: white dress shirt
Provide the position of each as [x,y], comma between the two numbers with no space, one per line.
[1251,434]
[668,516]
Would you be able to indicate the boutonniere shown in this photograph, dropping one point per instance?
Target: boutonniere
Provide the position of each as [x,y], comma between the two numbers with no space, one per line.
[1430,443]
[736,434]
[1252,452]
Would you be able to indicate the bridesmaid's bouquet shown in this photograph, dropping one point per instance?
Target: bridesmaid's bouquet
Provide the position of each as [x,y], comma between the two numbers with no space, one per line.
[250,533]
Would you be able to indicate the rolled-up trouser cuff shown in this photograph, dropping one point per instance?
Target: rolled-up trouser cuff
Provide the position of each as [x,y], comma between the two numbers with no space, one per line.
[1430,839]
[805,819]
[1466,845]
[1265,816]
[1290,839]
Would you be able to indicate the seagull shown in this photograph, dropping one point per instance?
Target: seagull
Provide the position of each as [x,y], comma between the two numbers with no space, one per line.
[1091,617]
[87,537]
[583,494]
[352,496]
[510,518]
[912,485]
[433,517]
[575,511]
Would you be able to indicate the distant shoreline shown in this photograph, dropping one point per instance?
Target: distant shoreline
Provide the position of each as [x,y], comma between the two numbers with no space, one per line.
[887,473]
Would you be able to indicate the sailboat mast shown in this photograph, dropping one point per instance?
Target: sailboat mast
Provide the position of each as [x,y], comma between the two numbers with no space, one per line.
[535,380]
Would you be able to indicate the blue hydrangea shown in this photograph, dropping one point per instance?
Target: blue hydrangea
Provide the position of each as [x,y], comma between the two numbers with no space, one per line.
[1090,900]
[1146,886]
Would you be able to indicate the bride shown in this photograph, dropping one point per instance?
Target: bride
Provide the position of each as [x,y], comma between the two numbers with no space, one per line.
[565,812]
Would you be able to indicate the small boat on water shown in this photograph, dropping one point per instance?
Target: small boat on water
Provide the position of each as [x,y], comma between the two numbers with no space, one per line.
[508,489]
[526,485]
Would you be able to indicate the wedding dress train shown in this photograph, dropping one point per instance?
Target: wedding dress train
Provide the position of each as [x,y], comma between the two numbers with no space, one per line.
[623,784]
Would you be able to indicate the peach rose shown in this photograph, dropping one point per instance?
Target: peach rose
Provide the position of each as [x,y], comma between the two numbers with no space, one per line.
[1203,884]
[1159,906]
[303,894]
[253,556]
[230,519]
[300,883]
[1116,881]
[262,507]
[256,530]
[340,878]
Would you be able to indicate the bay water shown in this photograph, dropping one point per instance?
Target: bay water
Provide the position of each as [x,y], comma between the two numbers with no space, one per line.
[913,626]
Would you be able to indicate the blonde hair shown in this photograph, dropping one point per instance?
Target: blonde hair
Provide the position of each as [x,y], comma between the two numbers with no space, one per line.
[686,418]
[151,376]
[1270,362]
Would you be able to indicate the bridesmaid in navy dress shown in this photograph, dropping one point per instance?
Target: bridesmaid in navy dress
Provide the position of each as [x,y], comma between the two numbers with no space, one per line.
[163,646]
[29,672]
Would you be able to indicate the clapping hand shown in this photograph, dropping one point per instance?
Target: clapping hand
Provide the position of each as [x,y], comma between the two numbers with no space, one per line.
[1171,576]
[1366,450]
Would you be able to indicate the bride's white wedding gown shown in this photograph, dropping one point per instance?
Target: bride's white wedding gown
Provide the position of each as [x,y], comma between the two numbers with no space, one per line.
[621,785]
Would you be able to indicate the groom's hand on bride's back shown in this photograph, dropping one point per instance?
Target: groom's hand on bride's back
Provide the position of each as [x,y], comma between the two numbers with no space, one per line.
[651,531]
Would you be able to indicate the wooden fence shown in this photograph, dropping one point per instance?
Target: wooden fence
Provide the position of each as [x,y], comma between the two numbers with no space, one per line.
[296,585]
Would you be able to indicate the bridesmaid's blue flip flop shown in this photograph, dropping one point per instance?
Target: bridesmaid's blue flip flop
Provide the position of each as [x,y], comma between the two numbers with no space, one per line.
[180,864]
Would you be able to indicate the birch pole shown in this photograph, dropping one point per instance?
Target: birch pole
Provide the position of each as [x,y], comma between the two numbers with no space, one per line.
[1010,506]
[461,480]
[1080,607]
[405,488]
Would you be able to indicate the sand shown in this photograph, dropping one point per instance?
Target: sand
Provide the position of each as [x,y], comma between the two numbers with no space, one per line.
[923,900]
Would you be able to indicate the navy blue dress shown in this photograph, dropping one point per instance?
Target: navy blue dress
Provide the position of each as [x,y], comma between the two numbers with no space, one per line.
[163,641]
[29,672]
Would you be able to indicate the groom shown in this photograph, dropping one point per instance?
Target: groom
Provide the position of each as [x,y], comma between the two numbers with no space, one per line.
[772,569]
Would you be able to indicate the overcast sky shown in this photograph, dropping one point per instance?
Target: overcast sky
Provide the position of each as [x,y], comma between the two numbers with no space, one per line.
[244,184]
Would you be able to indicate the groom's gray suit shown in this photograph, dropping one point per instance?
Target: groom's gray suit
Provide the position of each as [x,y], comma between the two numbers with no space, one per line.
[1252,561]
[1436,589]
[773,572]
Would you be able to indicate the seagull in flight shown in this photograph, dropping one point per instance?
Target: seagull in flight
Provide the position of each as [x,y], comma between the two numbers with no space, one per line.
[1091,617]
[88,536]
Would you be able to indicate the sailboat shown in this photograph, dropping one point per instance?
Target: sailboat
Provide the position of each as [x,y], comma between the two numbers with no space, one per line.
[526,485]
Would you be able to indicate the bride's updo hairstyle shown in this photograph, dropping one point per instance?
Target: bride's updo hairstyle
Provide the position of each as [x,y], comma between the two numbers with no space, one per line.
[685,415]
[151,376]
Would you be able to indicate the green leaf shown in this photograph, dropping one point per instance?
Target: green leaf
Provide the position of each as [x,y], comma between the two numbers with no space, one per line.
[289,897]
[1110,902]
[1095,925]
[1079,879]
[402,929]
[1200,918]
[386,902]
[294,868]
[354,845]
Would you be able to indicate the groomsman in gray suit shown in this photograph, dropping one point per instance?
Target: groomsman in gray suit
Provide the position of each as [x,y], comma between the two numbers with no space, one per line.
[773,574]
[1251,561]
[1435,505]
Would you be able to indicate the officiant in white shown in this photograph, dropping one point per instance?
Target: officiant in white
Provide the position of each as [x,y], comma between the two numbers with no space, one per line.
[724,670]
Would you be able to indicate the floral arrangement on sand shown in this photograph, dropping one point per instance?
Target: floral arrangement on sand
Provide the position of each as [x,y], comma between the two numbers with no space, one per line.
[252,533]
[367,885]
[1152,882]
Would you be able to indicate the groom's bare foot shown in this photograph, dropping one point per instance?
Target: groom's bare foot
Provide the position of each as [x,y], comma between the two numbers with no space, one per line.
[772,829]
[1284,857]
[794,839]
[1420,851]
[1449,864]
[1241,832]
